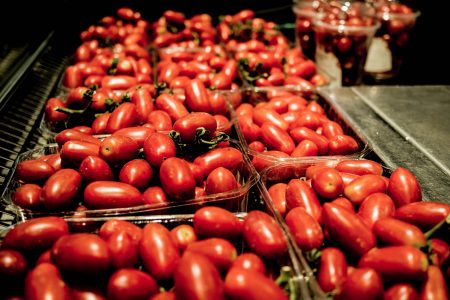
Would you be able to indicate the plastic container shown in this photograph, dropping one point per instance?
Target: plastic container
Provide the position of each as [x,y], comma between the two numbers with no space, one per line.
[304,11]
[257,95]
[388,48]
[344,32]
[235,200]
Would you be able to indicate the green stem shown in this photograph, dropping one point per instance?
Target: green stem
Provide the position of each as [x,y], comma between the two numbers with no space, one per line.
[292,290]
[430,232]
[285,275]
[70,111]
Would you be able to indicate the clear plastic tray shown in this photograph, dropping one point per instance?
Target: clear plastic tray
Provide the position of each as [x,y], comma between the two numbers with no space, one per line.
[273,267]
[256,95]
[235,201]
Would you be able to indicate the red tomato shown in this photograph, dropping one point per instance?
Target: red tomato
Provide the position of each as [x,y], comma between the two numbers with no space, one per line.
[131,284]
[434,286]
[375,207]
[139,134]
[440,252]
[249,261]
[303,133]
[117,149]
[364,186]
[118,82]
[391,231]
[27,196]
[277,193]
[332,269]
[126,115]
[197,98]
[404,188]
[177,179]
[74,135]
[111,194]
[45,282]
[60,189]
[82,292]
[72,77]
[263,115]
[173,107]
[219,251]
[305,229]
[250,131]
[328,183]
[347,229]
[94,168]
[216,222]
[345,203]
[160,120]
[396,263]
[263,235]
[305,148]
[12,264]
[363,283]
[360,167]
[158,147]
[221,81]
[192,269]
[155,195]
[267,159]
[331,129]
[158,252]
[99,124]
[308,119]
[81,253]
[404,291]
[183,235]
[247,284]
[342,145]
[33,170]
[114,226]
[187,126]
[78,98]
[276,139]
[136,172]
[164,296]
[74,152]
[144,104]
[298,193]
[220,180]
[217,103]
[423,214]
[228,157]
[53,160]
[123,250]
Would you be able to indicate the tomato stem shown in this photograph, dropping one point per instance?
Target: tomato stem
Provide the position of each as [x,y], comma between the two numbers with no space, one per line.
[430,232]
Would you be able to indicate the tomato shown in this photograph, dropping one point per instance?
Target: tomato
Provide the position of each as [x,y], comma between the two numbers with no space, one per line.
[303,133]
[83,292]
[136,172]
[74,152]
[159,147]
[160,120]
[164,296]
[263,235]
[347,178]
[263,115]
[298,193]
[345,203]
[364,186]
[305,229]
[158,252]
[277,193]
[168,73]
[221,81]
[276,139]
[249,261]
[363,283]
[347,229]
[375,207]
[223,124]
[360,167]
[404,291]
[53,160]
[183,235]
[144,104]
[94,168]
[83,129]
[114,226]
[187,126]
[144,66]
[123,250]
[305,148]
[12,264]
[78,98]
[332,269]
[228,157]
[396,263]
[72,134]
[177,179]
[331,129]
[118,82]
[45,282]
[155,195]
[247,284]
[117,149]
[192,269]
[179,82]
[33,170]
[267,159]
[216,222]
[434,286]
[27,196]
[60,189]
[250,131]
[131,284]
[245,109]
[404,188]
[197,98]
[99,124]
[327,183]
[395,232]
[308,119]
[219,251]
[173,107]
[423,214]
[72,77]
[220,180]
[126,115]
[440,252]
[342,145]
[111,194]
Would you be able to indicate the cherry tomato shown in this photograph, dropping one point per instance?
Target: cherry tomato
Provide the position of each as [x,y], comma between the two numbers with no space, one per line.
[72,77]
[111,194]
[303,133]
[404,291]
[53,160]
[220,251]
[249,261]
[60,189]
[85,292]
[342,145]
[114,226]
[434,286]
[395,232]
[72,134]
[177,179]
[123,250]
[155,195]
[99,124]
[94,168]
[299,194]
[197,98]
[266,160]
[27,196]
[305,148]
[33,170]
[160,120]
[216,222]
[276,139]
[423,214]
[263,115]
[51,114]
[404,188]
[158,252]
[218,104]
[220,180]
[45,282]
[12,264]
[328,183]
[308,119]
[250,131]
[74,152]
[263,235]
[117,149]
[144,104]
[277,193]
[347,229]
[136,172]
[131,284]
[396,263]
[362,282]
[360,167]
[126,115]
[345,203]
[247,284]
[168,73]
[173,107]
[118,82]
[305,229]
[364,186]
[375,207]
[332,269]
[440,252]
[187,126]
[331,129]
[183,235]
[228,157]
[194,268]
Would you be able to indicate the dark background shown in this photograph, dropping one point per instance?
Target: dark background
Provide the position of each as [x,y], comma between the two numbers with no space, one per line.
[427,61]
